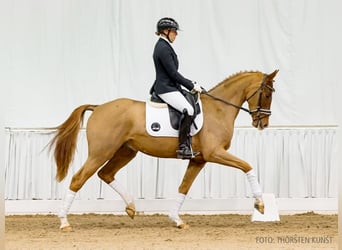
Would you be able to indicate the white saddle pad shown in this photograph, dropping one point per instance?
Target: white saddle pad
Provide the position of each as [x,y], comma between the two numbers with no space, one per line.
[157,117]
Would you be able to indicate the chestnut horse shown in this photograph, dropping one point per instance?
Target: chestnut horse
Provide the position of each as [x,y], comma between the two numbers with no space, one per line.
[116,132]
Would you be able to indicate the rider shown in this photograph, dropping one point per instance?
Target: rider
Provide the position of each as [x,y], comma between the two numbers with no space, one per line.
[169,81]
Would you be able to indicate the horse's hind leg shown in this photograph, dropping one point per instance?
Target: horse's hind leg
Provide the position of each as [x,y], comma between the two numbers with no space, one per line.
[189,177]
[108,172]
[82,175]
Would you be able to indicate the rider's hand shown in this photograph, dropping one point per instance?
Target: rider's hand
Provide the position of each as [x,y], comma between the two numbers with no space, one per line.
[197,88]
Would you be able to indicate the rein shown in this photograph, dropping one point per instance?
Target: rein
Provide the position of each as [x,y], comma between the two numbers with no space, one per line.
[226,102]
[257,110]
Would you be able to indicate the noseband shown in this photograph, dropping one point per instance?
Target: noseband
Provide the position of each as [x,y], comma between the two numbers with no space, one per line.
[261,113]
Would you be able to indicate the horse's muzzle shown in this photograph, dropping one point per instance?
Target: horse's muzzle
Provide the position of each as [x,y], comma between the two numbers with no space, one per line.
[260,118]
[260,122]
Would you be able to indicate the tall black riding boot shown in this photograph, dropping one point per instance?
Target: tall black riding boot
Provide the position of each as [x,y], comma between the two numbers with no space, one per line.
[185,150]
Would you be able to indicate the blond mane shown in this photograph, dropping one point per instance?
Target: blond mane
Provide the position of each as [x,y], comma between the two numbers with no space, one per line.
[229,78]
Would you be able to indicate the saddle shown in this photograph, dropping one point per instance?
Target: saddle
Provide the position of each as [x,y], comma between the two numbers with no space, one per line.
[174,114]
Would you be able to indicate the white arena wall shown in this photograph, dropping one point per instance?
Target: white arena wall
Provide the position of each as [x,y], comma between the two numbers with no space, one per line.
[297,164]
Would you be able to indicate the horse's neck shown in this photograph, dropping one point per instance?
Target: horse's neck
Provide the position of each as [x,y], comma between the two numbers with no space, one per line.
[234,89]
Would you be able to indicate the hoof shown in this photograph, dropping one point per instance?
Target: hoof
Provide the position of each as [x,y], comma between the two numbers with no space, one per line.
[66,228]
[130,210]
[259,205]
[183,226]
[174,217]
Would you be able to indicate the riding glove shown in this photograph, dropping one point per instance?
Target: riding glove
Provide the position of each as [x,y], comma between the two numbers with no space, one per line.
[197,88]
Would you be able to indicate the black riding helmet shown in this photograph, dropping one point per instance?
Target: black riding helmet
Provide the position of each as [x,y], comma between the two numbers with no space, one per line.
[166,23]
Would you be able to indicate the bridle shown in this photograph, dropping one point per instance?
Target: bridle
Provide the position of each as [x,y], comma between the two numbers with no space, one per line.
[261,112]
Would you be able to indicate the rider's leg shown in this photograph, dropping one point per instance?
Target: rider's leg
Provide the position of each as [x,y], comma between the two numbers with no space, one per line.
[185,150]
[179,102]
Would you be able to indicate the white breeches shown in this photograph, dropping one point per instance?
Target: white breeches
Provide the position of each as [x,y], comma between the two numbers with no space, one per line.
[177,101]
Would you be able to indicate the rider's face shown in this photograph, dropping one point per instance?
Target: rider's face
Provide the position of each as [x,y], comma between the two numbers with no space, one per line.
[172,35]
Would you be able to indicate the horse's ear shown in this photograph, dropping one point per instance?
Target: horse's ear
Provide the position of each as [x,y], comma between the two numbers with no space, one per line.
[273,74]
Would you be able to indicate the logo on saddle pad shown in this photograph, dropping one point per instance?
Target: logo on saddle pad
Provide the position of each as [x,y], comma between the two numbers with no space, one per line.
[162,120]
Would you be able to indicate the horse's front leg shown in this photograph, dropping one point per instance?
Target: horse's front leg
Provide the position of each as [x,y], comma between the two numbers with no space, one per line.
[189,177]
[223,157]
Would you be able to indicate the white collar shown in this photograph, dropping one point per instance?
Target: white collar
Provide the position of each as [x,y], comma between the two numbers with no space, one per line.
[165,39]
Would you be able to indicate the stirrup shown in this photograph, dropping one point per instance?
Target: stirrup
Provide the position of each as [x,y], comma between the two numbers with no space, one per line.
[186,153]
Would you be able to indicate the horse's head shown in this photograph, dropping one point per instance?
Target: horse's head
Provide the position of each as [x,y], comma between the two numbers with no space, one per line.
[259,100]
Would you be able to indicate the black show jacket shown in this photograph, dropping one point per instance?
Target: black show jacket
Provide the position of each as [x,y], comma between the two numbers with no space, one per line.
[166,65]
